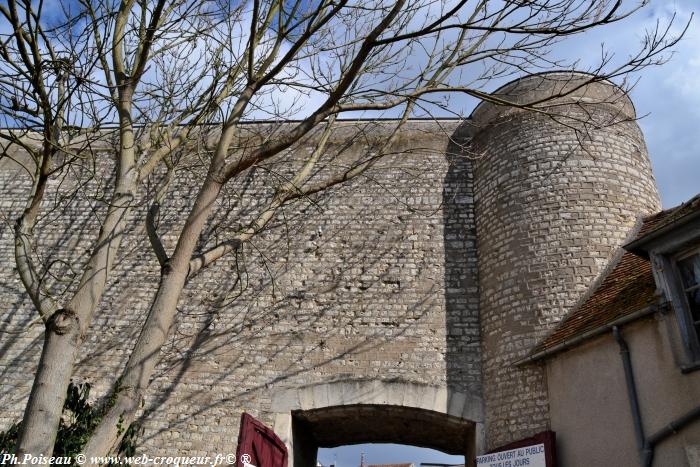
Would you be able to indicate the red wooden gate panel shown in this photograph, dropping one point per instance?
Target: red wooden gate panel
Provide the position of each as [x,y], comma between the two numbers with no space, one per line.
[259,446]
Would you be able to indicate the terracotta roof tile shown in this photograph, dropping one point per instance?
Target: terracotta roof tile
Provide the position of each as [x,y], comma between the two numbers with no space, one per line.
[627,288]
[667,216]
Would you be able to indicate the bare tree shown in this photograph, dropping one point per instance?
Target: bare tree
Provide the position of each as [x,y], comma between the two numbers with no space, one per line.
[178,79]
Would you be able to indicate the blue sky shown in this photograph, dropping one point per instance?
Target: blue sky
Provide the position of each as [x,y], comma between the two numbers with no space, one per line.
[670,95]
[667,97]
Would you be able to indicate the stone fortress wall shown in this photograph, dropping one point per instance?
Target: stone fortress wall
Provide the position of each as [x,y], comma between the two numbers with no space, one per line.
[556,193]
[374,282]
[418,286]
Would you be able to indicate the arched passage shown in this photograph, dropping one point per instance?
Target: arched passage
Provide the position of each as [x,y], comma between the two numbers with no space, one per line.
[357,424]
[353,412]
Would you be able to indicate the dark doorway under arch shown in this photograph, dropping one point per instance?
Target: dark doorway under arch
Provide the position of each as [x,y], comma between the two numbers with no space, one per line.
[368,423]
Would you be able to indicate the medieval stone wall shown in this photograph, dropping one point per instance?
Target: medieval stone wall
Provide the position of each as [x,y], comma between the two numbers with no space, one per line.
[556,194]
[373,281]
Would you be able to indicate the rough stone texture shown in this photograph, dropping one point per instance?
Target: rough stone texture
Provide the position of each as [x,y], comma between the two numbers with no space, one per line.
[376,280]
[337,413]
[552,205]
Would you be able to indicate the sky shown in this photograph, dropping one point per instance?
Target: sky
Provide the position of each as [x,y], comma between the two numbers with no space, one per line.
[349,456]
[667,100]
[666,97]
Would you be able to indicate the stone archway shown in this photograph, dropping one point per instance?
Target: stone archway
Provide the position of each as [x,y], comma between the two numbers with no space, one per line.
[352,412]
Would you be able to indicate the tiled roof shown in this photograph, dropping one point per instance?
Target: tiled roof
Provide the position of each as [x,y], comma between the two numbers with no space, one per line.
[627,288]
[666,217]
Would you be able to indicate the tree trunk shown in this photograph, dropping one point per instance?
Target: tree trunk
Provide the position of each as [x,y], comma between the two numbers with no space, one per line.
[43,413]
[63,335]
[65,329]
[135,379]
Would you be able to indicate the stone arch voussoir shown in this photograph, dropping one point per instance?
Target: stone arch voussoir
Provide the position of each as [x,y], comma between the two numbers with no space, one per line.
[399,398]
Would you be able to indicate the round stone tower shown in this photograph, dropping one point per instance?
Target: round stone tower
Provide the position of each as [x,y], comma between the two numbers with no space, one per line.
[557,191]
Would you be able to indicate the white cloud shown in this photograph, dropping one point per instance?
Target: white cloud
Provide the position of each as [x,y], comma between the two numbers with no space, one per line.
[667,96]
[670,95]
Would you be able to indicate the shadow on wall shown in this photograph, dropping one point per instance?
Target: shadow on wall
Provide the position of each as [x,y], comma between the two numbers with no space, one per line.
[359,296]
[347,287]
[64,233]
[240,340]
[461,270]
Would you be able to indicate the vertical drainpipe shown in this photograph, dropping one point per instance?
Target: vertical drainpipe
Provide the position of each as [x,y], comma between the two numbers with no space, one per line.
[646,452]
